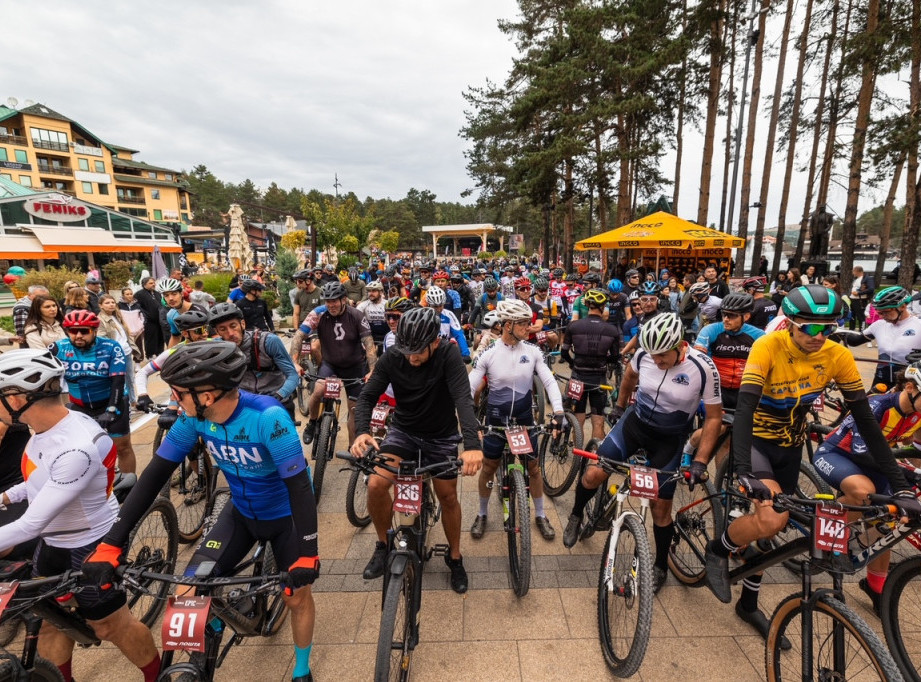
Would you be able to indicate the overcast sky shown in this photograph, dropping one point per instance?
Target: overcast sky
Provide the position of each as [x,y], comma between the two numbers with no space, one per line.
[286,90]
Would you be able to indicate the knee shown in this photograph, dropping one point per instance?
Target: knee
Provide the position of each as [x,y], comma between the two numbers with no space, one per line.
[300,600]
[448,499]
[594,477]
[378,485]
[770,523]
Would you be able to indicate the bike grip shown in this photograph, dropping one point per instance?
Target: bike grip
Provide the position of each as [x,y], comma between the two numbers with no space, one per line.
[584,453]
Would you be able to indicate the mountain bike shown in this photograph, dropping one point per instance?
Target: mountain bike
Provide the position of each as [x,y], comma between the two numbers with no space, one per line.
[327,430]
[356,493]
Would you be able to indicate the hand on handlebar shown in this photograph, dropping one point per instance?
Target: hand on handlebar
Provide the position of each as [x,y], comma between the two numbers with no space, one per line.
[908,504]
[303,572]
[144,403]
[473,461]
[100,566]
[697,473]
[754,489]
[166,420]
[361,445]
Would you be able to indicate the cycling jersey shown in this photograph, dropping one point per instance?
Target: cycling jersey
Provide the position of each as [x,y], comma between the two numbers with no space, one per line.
[765,311]
[558,288]
[68,472]
[89,372]
[710,309]
[571,294]
[173,314]
[341,337]
[631,327]
[549,310]
[894,424]
[617,305]
[451,329]
[507,287]
[896,341]
[375,314]
[594,343]
[729,350]
[511,372]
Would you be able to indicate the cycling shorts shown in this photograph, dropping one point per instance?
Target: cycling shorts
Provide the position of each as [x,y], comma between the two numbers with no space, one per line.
[118,428]
[730,397]
[771,461]
[591,394]
[93,602]
[495,443]
[352,388]
[663,451]
[425,451]
[834,465]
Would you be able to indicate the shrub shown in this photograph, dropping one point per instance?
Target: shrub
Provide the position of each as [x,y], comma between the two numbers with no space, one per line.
[217,284]
[285,267]
[500,254]
[116,274]
[6,324]
[270,298]
[53,278]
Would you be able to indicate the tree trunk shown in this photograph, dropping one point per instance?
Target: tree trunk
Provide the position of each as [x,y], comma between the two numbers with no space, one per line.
[713,101]
[909,251]
[601,183]
[570,215]
[864,101]
[886,229]
[682,94]
[623,184]
[731,99]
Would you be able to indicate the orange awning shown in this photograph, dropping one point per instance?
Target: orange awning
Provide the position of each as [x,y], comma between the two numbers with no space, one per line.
[94,239]
[25,247]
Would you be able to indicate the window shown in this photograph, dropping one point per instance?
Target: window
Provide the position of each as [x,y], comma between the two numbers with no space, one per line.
[3,156]
[154,194]
[49,139]
[182,202]
[25,180]
[185,218]
[21,156]
[87,187]
[168,176]
[99,166]
[139,212]
[103,188]
[84,164]
[152,175]
[158,214]
[6,175]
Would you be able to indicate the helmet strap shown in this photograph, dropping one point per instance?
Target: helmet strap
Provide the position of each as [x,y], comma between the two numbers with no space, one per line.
[199,408]
[31,399]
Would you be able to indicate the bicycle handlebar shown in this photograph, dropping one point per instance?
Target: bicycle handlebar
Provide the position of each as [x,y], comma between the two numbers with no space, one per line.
[611,466]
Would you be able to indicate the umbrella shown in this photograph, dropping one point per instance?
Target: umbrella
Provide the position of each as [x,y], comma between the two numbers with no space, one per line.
[661,230]
[238,250]
[158,266]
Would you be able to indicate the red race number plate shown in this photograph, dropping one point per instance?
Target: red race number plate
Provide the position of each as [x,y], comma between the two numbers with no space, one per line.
[333,387]
[518,441]
[575,389]
[540,337]
[7,590]
[379,416]
[831,533]
[819,403]
[644,483]
[408,495]
[184,623]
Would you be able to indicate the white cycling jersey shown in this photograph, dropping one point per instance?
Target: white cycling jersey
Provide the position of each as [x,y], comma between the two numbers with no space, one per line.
[896,341]
[68,471]
[511,370]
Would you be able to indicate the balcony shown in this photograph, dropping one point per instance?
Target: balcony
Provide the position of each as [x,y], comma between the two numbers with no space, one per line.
[53,146]
[127,199]
[14,139]
[55,170]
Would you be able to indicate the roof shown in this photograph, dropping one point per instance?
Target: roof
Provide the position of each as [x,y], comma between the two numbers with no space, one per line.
[141,180]
[477,228]
[8,188]
[39,109]
[140,165]
[6,112]
[118,147]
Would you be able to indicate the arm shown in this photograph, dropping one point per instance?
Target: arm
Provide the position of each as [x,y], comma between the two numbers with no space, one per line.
[276,348]
[458,335]
[370,351]
[268,316]
[877,446]
[550,386]
[627,386]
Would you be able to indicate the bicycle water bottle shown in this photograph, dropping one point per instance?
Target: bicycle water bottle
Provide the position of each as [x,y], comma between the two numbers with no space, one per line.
[505,508]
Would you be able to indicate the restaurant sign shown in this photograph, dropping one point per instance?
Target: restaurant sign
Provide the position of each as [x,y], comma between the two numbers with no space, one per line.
[60,207]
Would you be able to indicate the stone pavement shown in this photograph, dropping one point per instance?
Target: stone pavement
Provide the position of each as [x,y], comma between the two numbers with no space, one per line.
[490,634]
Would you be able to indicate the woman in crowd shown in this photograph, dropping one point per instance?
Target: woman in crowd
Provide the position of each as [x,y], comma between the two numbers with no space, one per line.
[43,325]
[112,326]
[76,299]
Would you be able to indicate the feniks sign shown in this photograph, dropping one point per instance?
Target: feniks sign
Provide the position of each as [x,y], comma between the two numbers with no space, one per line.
[62,207]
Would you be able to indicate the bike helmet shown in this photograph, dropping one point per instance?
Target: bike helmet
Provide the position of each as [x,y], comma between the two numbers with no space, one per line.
[595,297]
[417,329]
[753,284]
[92,279]
[634,297]
[738,302]
[457,278]
[649,288]
[455,268]
[661,333]
[304,274]
[194,319]
[912,373]
[220,364]
[399,304]
[615,286]
[330,268]
[523,282]
[541,284]
[812,303]
[512,311]
[592,278]
[572,277]
[633,272]
[490,284]
[435,296]
[168,284]
[80,318]
[440,274]
[222,312]
[890,298]
[28,371]
[251,285]
[333,291]
[491,319]
[353,274]
[375,286]
[699,289]
[558,273]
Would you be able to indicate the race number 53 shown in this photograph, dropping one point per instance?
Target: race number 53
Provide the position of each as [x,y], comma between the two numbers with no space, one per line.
[518,441]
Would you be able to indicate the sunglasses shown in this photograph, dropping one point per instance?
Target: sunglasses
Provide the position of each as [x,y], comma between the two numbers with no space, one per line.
[522,288]
[393,316]
[814,329]
[79,331]
[649,299]
[730,316]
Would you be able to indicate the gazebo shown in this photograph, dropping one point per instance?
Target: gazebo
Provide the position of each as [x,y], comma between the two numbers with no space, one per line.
[481,230]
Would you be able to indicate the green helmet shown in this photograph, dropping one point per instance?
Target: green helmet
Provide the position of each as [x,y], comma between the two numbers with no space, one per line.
[812,303]
[890,298]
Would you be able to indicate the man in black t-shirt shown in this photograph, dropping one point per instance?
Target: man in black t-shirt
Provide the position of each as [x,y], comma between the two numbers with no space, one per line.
[765,308]
[13,441]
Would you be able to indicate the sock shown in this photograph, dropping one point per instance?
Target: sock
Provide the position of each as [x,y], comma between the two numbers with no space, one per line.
[65,670]
[301,661]
[876,581]
[538,506]
[663,536]
[688,448]
[583,495]
[749,599]
[152,669]
[484,505]
[723,547]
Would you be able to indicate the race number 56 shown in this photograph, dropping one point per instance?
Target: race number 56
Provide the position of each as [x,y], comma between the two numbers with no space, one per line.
[644,483]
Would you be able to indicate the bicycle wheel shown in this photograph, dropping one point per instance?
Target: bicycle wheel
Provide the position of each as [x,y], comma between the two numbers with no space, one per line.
[844,647]
[727,507]
[153,544]
[518,531]
[558,466]
[598,501]
[43,670]
[900,613]
[324,433]
[302,394]
[191,495]
[695,523]
[276,610]
[625,597]
[356,499]
[394,642]
[539,399]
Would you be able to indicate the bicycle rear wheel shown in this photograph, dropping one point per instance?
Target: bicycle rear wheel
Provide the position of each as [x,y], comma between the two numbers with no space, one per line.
[809,484]
[323,448]
[356,499]
[695,523]
[276,610]
[539,400]
[900,613]
[625,606]
[191,495]
[558,466]
[394,642]
[43,670]
[518,532]
[153,544]
[844,647]
[302,394]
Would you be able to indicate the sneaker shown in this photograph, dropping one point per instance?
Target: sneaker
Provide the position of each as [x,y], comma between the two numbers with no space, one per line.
[478,527]
[659,576]
[458,574]
[571,533]
[303,678]
[759,621]
[546,530]
[309,432]
[375,567]
[874,596]
[717,575]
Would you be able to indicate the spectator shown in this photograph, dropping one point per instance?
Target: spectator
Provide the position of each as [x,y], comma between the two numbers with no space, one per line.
[43,324]
[93,289]
[132,315]
[76,299]
[112,326]
[862,288]
[21,312]
[68,285]
[150,302]
[201,297]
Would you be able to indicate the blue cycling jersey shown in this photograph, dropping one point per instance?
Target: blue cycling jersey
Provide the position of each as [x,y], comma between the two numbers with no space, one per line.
[89,372]
[256,448]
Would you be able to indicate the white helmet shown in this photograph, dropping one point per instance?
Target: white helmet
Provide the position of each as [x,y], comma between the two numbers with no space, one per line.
[435,296]
[661,333]
[375,286]
[167,284]
[699,288]
[491,319]
[28,370]
[510,311]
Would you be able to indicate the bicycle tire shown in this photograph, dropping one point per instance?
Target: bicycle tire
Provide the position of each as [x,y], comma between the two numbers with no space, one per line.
[153,544]
[558,465]
[632,570]
[727,504]
[695,521]
[324,429]
[193,496]
[302,396]
[787,665]
[356,499]
[597,501]
[518,532]
[539,400]
[394,656]
[43,670]
[901,602]
[276,610]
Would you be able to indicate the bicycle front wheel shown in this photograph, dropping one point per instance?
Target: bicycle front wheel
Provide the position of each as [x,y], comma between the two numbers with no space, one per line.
[394,643]
[43,670]
[900,613]
[153,545]
[356,499]
[695,524]
[302,394]
[625,597]
[539,400]
[323,447]
[844,647]
[192,495]
[518,531]
[558,466]
[276,610]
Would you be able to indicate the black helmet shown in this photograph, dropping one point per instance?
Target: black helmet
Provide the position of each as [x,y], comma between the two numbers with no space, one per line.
[353,274]
[399,303]
[456,277]
[333,291]
[193,319]
[738,302]
[572,277]
[220,364]
[558,272]
[417,329]
[812,303]
[490,284]
[302,274]
[223,312]
[592,278]
[251,285]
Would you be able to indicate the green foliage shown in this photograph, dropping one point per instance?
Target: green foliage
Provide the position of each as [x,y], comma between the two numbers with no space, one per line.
[349,243]
[217,284]
[285,267]
[500,254]
[270,298]
[486,255]
[116,274]
[53,278]
[346,261]
[294,239]
[6,324]
[137,269]
[389,241]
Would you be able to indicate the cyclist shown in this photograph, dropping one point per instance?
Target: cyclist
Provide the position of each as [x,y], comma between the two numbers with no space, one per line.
[670,379]
[95,372]
[632,281]
[632,326]
[347,347]
[307,297]
[764,309]
[254,443]
[493,332]
[844,462]
[374,308]
[618,306]
[648,293]
[551,310]
[442,280]
[68,466]
[450,327]
[355,288]
[172,292]
[573,289]
[510,367]
[430,387]
[256,313]
[466,297]
[269,370]
[594,343]
[507,283]
[786,371]
[592,281]
[558,282]
[488,301]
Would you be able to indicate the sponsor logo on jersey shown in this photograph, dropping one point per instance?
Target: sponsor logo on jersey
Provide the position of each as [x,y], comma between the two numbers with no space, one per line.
[279,431]
[824,466]
[241,435]
[682,379]
[235,455]
[909,332]
[524,360]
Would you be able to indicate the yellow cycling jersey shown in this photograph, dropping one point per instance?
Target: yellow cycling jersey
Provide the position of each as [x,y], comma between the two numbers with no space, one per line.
[789,381]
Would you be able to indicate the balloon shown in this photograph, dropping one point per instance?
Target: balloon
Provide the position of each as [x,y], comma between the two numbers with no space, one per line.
[9,279]
[18,271]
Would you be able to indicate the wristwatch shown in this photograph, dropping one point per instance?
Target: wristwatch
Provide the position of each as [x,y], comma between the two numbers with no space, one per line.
[112,409]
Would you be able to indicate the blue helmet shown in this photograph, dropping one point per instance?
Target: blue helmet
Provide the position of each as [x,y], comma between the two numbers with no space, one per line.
[615,286]
[649,289]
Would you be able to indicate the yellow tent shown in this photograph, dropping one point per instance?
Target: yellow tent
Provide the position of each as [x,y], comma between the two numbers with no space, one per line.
[661,231]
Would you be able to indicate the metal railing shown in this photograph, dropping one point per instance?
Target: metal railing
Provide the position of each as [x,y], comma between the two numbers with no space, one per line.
[125,199]
[14,139]
[55,170]
[53,146]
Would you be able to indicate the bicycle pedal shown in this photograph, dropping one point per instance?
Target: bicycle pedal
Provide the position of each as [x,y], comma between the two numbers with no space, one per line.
[440,550]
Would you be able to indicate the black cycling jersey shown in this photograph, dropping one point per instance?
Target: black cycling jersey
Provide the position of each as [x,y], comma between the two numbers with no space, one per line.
[617,305]
[341,337]
[765,310]
[256,314]
[594,343]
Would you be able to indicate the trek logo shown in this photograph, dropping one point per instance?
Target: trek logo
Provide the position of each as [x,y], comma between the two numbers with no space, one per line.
[279,431]
[235,455]
[682,379]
